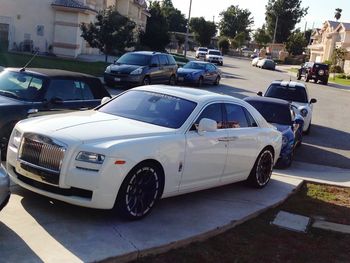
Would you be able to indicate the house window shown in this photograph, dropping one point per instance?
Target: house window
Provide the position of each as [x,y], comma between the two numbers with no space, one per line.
[40,30]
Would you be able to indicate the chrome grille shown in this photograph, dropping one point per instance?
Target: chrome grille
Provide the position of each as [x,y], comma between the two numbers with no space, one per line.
[41,152]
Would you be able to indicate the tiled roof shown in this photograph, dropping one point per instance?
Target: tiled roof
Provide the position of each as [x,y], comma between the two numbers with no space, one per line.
[333,24]
[71,4]
[346,26]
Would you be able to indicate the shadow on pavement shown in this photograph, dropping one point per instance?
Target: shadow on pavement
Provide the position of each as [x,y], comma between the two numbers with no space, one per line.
[232,76]
[337,86]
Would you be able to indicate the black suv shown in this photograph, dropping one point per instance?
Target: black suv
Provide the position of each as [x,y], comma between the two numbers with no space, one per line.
[141,68]
[33,92]
[315,71]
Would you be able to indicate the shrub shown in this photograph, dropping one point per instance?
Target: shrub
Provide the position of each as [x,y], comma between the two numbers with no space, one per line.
[348,76]
[328,62]
[342,76]
[336,69]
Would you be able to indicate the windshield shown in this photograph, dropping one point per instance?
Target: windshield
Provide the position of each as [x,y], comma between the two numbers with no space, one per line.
[272,112]
[134,59]
[21,86]
[194,65]
[216,53]
[297,94]
[154,108]
[203,49]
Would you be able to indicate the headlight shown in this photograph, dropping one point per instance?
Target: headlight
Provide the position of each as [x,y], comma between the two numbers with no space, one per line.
[108,69]
[137,71]
[16,138]
[304,112]
[284,141]
[90,157]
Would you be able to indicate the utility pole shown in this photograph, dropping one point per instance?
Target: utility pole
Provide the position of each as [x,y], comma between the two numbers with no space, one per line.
[274,34]
[188,28]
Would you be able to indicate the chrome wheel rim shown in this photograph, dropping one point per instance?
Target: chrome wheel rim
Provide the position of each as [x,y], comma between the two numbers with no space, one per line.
[264,168]
[142,191]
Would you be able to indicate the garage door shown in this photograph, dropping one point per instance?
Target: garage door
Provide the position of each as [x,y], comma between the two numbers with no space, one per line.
[4,36]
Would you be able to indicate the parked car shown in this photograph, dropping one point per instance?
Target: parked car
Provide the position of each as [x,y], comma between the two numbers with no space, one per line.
[255,61]
[214,56]
[296,93]
[4,187]
[201,52]
[198,72]
[280,114]
[315,71]
[31,92]
[266,64]
[145,144]
[141,68]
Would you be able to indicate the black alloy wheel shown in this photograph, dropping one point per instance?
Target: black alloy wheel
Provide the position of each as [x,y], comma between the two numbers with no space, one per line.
[262,170]
[217,81]
[140,191]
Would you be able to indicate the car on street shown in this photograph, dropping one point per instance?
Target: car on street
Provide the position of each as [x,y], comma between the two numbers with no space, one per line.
[297,94]
[199,73]
[147,143]
[255,61]
[31,92]
[266,64]
[141,68]
[280,113]
[201,52]
[314,71]
[214,56]
[4,187]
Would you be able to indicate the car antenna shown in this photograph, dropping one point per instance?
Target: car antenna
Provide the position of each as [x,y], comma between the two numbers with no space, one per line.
[30,61]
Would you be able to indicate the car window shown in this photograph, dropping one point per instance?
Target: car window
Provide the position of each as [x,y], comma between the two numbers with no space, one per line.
[171,60]
[211,67]
[84,89]
[155,60]
[250,119]
[163,60]
[64,89]
[235,116]
[214,52]
[134,59]
[297,94]
[213,112]
[151,107]
[194,65]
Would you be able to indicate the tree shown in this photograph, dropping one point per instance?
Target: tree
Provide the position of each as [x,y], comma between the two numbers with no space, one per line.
[175,19]
[240,38]
[261,36]
[156,36]
[289,13]
[337,14]
[235,20]
[111,31]
[296,43]
[203,30]
[224,44]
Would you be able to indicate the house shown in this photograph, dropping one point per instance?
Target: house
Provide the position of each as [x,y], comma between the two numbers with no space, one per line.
[53,25]
[324,40]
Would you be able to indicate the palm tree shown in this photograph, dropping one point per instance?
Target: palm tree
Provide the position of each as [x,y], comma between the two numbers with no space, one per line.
[337,14]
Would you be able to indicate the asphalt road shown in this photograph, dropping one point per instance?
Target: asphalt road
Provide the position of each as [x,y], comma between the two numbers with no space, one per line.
[329,140]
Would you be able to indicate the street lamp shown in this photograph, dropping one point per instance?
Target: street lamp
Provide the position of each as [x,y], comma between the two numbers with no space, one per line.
[188,28]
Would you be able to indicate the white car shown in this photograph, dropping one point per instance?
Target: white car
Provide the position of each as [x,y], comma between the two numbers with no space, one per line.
[255,61]
[214,56]
[145,144]
[297,93]
[201,52]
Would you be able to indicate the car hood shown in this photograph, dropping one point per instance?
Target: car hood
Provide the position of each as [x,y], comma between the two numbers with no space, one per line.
[91,126]
[188,70]
[124,68]
[5,101]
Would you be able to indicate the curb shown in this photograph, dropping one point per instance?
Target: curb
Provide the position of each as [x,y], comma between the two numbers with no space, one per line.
[198,238]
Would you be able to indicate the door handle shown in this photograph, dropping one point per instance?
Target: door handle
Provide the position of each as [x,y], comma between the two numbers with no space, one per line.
[227,139]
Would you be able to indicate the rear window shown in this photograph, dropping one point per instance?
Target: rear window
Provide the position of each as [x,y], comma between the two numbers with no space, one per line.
[321,66]
[297,94]
[214,52]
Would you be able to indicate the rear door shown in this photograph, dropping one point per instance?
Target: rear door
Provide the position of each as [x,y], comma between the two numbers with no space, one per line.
[165,68]
[155,72]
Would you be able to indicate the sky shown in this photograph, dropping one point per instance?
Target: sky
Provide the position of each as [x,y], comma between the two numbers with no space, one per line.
[319,10]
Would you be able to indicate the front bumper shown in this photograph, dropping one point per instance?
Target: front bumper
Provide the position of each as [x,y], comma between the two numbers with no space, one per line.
[4,188]
[125,80]
[215,61]
[186,80]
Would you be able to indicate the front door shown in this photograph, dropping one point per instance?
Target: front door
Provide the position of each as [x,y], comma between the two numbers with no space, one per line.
[206,153]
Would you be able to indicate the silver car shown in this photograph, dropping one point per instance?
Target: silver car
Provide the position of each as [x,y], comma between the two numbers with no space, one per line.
[4,187]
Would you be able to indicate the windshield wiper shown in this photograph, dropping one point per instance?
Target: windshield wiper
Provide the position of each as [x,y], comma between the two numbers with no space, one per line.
[9,94]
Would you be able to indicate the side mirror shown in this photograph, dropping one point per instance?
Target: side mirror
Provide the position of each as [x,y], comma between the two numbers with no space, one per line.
[105,100]
[313,101]
[207,125]
[259,93]
[56,101]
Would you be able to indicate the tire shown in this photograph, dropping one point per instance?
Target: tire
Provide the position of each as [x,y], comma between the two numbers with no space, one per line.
[146,81]
[315,80]
[307,78]
[307,132]
[262,169]
[200,82]
[325,82]
[298,76]
[172,80]
[217,81]
[285,163]
[140,191]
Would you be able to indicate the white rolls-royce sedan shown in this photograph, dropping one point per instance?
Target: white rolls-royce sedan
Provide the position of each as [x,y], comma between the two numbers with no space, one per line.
[147,143]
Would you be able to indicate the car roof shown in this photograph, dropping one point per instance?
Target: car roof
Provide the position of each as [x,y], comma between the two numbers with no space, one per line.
[148,53]
[51,72]
[192,94]
[199,62]
[287,83]
[268,100]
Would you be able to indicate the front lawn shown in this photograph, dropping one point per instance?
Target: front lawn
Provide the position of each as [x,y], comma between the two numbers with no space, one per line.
[8,59]
[340,81]
[258,240]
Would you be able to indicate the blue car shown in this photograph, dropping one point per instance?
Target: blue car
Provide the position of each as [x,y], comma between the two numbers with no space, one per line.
[280,114]
[198,73]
